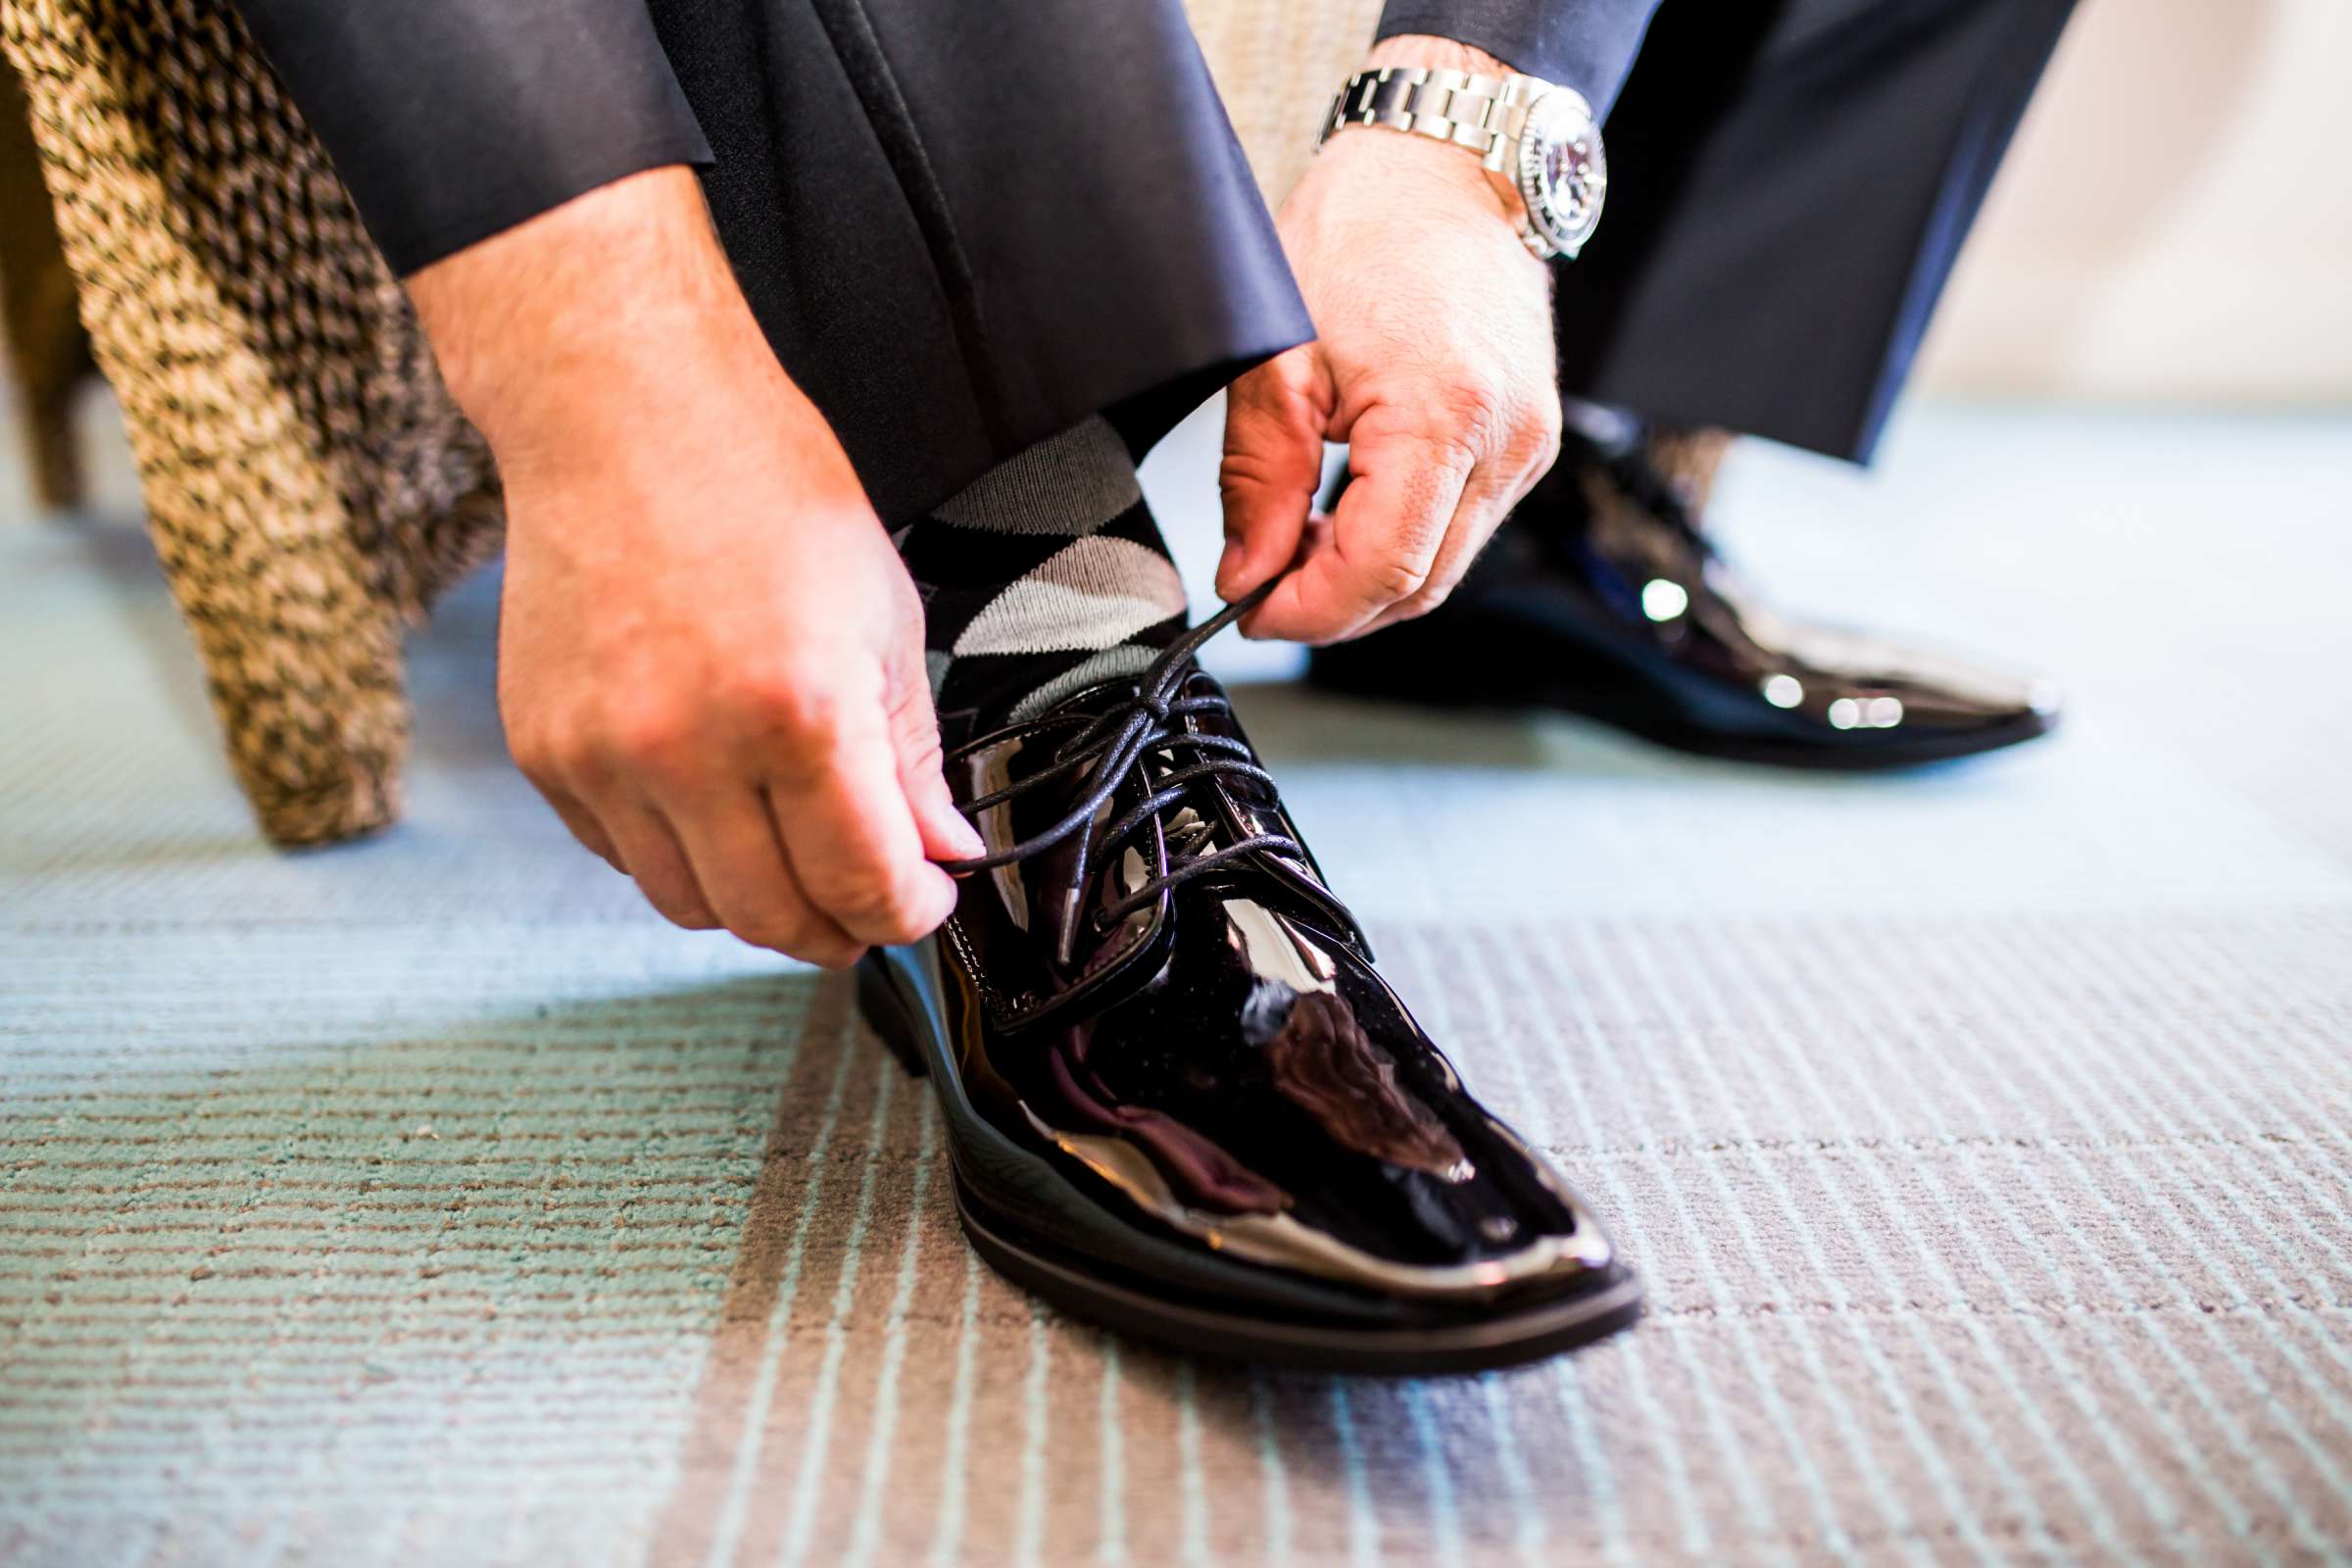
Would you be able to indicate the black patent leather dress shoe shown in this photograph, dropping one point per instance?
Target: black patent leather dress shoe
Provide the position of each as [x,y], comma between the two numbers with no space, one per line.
[1603,597]
[1180,1100]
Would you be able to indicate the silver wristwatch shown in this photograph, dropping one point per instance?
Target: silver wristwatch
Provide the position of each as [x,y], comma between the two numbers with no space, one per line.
[1539,142]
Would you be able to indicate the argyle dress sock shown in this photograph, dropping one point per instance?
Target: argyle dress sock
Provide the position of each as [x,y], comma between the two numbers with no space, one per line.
[1045,576]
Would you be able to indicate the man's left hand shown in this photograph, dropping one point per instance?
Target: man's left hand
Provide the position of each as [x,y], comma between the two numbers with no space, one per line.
[1434,365]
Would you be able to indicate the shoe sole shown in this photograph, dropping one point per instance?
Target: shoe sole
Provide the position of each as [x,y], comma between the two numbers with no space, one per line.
[1340,680]
[1829,758]
[1068,1280]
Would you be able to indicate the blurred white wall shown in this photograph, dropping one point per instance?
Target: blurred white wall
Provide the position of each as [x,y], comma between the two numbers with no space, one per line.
[2174,222]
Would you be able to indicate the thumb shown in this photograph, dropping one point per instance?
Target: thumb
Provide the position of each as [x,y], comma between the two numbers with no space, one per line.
[1274,422]
[915,739]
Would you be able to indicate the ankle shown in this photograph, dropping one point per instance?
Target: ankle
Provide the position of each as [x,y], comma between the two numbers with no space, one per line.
[1690,459]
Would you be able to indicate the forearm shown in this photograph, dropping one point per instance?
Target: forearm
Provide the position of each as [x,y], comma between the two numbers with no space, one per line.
[577,330]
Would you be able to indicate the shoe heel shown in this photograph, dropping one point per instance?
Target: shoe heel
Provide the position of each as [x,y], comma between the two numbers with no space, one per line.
[885,1013]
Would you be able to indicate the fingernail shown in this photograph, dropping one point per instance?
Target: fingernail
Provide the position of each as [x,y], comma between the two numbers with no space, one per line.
[968,840]
[1229,566]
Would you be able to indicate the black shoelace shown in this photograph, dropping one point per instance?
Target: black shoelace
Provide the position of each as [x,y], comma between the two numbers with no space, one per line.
[1109,748]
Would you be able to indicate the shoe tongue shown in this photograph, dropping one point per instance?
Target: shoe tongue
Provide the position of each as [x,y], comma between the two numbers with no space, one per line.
[1010,744]
[1037,732]
[1050,946]
[1044,895]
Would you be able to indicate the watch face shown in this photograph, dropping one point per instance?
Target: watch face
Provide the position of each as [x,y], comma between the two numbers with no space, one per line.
[1563,174]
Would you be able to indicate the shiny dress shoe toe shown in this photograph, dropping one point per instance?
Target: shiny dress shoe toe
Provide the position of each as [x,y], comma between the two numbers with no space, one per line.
[1603,597]
[1181,1101]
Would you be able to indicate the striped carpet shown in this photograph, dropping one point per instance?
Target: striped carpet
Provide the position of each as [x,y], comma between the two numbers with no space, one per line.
[1985,1137]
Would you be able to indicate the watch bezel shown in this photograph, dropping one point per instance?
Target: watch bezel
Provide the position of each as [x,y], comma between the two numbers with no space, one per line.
[1554,116]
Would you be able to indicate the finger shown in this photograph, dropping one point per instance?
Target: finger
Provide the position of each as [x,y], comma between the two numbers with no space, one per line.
[914,739]
[1383,543]
[1487,497]
[1275,418]
[650,853]
[586,828]
[850,834]
[740,864]
[946,834]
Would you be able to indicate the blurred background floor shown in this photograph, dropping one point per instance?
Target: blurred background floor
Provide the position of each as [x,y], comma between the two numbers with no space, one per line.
[1983,1133]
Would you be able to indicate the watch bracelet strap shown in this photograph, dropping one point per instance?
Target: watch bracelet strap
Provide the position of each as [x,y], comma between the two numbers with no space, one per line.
[1481,113]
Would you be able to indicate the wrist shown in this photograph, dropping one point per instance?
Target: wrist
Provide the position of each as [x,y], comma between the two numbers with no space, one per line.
[1425,51]
[559,336]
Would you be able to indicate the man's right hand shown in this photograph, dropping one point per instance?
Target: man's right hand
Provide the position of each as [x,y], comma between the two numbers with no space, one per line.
[711,659]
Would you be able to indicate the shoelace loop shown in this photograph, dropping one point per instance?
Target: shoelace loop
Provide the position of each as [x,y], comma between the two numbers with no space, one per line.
[1110,748]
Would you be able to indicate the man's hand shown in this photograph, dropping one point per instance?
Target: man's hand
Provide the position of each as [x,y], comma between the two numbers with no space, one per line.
[711,660]
[1434,365]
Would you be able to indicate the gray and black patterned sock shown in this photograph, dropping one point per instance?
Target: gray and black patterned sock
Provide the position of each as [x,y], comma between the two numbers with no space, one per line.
[1046,575]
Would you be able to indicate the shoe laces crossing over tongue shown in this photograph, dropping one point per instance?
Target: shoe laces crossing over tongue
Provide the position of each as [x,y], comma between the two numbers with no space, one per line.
[1108,750]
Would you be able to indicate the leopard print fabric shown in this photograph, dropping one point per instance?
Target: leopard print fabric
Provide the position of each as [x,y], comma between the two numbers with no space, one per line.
[310,485]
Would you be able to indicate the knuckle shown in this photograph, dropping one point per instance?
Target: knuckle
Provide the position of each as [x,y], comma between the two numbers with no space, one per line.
[921,755]
[1414,607]
[674,894]
[880,910]
[1287,375]
[646,736]
[538,759]
[804,724]
[1393,579]
[1546,454]
[878,904]
[687,913]
[1477,413]
[782,685]
[546,753]
[795,710]
[1428,599]
[915,736]
[1540,435]
[780,933]
[1243,473]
